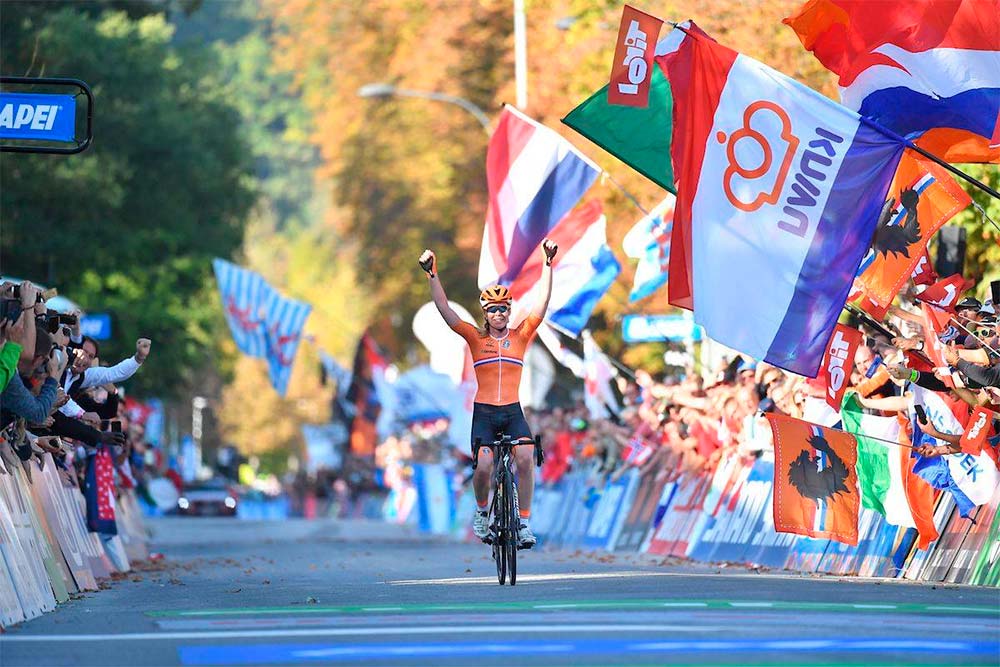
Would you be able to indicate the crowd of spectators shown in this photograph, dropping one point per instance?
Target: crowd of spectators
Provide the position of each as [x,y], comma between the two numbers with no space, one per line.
[689,424]
[59,399]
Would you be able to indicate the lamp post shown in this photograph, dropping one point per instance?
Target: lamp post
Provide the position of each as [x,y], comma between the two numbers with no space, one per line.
[390,90]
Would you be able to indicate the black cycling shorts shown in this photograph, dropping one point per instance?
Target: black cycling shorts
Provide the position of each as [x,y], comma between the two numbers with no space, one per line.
[488,421]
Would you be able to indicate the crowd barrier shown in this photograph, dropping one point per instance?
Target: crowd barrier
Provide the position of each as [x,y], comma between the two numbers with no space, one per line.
[723,516]
[46,552]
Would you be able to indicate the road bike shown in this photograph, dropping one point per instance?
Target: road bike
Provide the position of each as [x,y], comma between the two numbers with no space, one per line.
[504,516]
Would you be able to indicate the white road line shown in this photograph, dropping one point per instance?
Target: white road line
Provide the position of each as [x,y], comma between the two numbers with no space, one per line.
[363,632]
[751,604]
[874,606]
[528,578]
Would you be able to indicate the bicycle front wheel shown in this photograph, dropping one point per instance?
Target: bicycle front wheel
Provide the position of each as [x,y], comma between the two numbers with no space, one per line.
[513,523]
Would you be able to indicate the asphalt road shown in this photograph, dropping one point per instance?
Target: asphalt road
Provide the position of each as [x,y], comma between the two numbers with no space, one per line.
[353,593]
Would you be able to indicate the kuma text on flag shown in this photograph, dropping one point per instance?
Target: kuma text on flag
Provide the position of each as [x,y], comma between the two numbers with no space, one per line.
[779,193]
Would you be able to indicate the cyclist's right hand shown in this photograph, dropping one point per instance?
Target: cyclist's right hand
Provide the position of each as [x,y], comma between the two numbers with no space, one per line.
[428,262]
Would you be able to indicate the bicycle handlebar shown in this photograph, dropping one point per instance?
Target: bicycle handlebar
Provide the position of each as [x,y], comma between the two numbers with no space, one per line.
[506,441]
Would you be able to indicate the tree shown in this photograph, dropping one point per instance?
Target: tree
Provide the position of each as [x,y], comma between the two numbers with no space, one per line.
[132,224]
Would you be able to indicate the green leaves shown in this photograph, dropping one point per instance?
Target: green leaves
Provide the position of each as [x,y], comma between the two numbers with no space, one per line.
[129,226]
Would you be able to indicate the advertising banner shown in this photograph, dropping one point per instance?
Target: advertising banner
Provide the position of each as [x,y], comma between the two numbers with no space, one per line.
[37,117]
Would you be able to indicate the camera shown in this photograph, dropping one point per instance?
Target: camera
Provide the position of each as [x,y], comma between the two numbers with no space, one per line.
[54,320]
[39,298]
[10,310]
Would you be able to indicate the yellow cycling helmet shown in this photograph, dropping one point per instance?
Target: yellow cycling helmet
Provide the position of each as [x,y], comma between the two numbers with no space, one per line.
[497,294]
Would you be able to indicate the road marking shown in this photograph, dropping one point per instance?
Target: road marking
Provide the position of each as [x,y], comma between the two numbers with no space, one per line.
[363,632]
[908,608]
[874,606]
[527,578]
[261,654]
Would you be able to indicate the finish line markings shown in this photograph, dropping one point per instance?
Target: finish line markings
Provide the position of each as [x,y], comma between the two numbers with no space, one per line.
[304,653]
[909,608]
[364,632]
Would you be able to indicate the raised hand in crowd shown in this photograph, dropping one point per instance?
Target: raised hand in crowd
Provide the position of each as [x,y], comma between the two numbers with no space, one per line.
[142,349]
[62,398]
[549,249]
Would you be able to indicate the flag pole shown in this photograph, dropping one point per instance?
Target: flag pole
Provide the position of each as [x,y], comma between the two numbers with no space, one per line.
[761,413]
[989,350]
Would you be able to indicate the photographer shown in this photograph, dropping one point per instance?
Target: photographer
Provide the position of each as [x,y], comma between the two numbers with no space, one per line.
[18,401]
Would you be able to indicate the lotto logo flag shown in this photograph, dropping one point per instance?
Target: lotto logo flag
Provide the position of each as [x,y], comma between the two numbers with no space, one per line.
[838,362]
[534,178]
[639,137]
[283,321]
[245,295]
[975,435]
[633,66]
[927,68]
[923,272]
[779,193]
[815,481]
[945,293]
[921,199]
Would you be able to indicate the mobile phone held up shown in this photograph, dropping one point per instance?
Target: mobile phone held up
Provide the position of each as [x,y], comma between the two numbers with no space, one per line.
[113,425]
[921,415]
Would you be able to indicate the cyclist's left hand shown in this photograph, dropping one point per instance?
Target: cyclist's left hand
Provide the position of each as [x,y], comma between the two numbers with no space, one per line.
[550,249]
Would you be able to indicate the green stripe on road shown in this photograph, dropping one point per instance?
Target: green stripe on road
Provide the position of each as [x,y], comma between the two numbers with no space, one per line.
[907,608]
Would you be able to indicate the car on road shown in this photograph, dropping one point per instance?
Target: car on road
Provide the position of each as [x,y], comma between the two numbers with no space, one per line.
[214,497]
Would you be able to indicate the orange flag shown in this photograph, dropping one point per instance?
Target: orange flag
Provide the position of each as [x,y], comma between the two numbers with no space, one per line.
[815,480]
[922,197]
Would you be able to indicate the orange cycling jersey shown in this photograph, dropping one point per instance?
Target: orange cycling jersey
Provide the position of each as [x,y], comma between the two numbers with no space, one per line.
[498,361]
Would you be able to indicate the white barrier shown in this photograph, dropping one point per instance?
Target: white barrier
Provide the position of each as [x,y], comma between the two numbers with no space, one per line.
[46,551]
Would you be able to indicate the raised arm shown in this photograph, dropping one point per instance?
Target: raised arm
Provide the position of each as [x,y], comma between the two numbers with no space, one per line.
[428,262]
[549,249]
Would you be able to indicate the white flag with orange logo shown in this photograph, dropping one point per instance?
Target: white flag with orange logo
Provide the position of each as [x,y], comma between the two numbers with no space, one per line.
[779,192]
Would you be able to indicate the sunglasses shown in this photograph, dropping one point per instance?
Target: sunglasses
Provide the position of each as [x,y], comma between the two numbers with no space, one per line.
[497,309]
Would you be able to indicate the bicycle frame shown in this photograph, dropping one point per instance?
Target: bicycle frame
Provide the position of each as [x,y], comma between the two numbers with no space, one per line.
[504,511]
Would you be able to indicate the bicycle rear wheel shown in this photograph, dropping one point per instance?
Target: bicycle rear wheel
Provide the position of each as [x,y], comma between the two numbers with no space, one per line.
[499,551]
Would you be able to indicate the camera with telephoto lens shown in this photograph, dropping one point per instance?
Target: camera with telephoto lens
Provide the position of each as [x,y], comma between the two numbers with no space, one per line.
[54,320]
[39,297]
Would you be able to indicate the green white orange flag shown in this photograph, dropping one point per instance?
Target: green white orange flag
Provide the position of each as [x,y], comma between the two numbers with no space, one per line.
[887,482]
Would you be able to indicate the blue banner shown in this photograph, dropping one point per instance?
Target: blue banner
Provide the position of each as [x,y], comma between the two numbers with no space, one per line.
[33,116]
[653,328]
[96,325]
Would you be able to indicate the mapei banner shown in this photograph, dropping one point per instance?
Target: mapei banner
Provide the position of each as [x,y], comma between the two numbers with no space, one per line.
[37,117]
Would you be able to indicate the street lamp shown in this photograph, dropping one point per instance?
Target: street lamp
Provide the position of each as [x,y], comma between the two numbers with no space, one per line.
[383,89]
